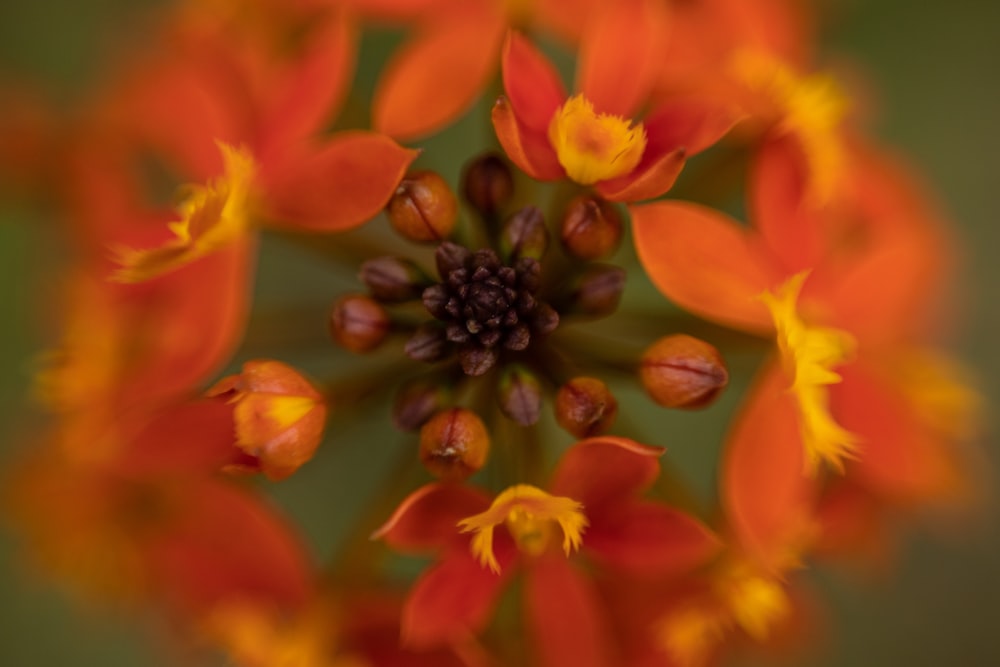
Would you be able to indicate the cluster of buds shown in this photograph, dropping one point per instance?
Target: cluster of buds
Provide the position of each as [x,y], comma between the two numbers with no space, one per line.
[514,328]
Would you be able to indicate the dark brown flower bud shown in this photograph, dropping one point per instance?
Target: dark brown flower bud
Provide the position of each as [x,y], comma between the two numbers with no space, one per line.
[680,371]
[477,359]
[520,395]
[524,235]
[358,323]
[449,257]
[392,280]
[423,209]
[454,444]
[585,407]
[428,343]
[591,228]
[487,184]
[416,402]
[598,291]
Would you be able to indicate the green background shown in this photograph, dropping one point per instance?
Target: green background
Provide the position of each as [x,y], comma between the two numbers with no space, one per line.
[934,66]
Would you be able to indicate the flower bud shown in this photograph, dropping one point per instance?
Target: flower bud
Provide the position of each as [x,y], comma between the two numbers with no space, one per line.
[416,402]
[585,407]
[683,372]
[520,395]
[454,444]
[279,416]
[488,184]
[358,323]
[392,280]
[423,208]
[524,235]
[428,343]
[591,228]
[598,291]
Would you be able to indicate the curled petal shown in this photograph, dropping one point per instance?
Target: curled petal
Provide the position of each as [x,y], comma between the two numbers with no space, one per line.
[599,471]
[688,122]
[653,176]
[531,82]
[428,519]
[340,185]
[529,150]
[705,262]
[622,37]
[439,75]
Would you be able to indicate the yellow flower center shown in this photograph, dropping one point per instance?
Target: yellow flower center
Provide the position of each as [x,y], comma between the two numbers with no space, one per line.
[810,107]
[757,604]
[210,217]
[531,517]
[594,147]
[690,634]
[809,355]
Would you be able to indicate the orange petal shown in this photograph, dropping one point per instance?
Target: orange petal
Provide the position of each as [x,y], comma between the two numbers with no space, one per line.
[338,186]
[653,176]
[705,262]
[529,150]
[311,93]
[649,539]
[620,54]
[531,82]
[689,122]
[451,600]
[765,493]
[437,76]
[598,471]
[428,519]
[565,616]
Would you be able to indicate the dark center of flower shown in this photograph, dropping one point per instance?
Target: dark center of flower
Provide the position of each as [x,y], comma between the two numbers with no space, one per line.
[486,305]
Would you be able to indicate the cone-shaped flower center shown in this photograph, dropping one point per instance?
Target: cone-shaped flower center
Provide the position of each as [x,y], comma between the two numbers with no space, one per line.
[594,147]
[809,355]
[211,217]
[531,516]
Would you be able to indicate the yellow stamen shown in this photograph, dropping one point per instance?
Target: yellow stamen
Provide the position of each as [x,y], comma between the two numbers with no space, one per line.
[758,604]
[690,634]
[810,107]
[809,355]
[211,217]
[531,516]
[594,147]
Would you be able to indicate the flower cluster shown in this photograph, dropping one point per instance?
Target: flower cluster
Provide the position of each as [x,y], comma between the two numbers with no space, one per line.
[496,316]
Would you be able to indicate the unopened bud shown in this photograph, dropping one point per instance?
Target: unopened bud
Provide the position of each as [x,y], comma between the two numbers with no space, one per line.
[428,343]
[454,444]
[598,291]
[591,228]
[358,323]
[477,359]
[524,235]
[488,184]
[520,395]
[392,280]
[278,416]
[585,407]
[680,371]
[423,209]
[416,402]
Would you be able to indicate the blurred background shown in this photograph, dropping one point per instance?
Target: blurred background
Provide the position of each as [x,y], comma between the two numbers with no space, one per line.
[934,69]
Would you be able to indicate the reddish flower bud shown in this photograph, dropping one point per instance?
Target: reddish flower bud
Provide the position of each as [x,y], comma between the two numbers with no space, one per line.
[598,291]
[358,323]
[525,235]
[683,372]
[393,280]
[423,209]
[279,416]
[591,228]
[585,407]
[454,444]
[488,184]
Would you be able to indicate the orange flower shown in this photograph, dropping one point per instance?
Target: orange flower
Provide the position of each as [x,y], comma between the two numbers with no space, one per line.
[593,508]
[591,137]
